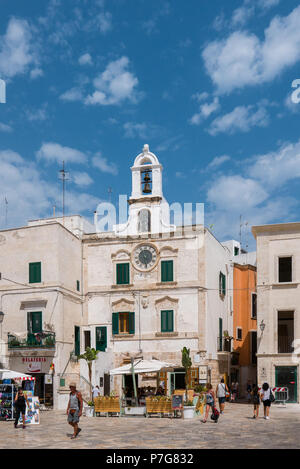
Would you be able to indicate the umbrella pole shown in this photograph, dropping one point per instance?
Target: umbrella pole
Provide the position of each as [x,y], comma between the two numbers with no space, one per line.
[134,383]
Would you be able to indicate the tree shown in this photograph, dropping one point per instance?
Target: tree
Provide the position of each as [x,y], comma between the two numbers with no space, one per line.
[186,363]
[90,355]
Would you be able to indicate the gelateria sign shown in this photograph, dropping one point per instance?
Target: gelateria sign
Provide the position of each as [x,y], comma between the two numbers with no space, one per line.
[32,364]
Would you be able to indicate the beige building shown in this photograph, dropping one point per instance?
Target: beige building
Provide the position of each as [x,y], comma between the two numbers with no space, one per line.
[145,287]
[278,299]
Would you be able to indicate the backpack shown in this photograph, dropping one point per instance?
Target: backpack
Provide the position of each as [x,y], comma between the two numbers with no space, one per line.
[215,414]
[272,397]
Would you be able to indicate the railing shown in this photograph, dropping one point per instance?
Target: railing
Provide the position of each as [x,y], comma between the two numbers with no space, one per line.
[223,344]
[42,339]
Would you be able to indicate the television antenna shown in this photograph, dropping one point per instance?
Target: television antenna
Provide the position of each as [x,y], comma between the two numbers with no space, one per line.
[64,176]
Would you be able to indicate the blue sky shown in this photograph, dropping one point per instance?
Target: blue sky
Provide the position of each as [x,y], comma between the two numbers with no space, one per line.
[207,84]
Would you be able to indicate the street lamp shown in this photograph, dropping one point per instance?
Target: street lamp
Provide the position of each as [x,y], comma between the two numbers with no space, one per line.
[262,326]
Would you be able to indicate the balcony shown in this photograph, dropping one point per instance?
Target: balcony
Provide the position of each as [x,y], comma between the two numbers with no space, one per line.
[38,340]
[224,344]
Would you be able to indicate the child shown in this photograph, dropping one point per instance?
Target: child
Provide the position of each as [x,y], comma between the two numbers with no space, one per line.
[210,401]
[256,401]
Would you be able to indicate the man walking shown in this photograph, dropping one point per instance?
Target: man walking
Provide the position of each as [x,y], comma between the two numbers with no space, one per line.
[74,410]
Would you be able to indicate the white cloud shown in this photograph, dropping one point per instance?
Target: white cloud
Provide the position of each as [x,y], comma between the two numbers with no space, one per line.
[243,59]
[29,196]
[104,21]
[133,130]
[85,59]
[5,128]
[73,94]
[36,73]
[17,52]
[82,179]
[235,192]
[115,85]
[218,161]
[54,152]
[206,110]
[101,163]
[277,168]
[242,14]
[242,119]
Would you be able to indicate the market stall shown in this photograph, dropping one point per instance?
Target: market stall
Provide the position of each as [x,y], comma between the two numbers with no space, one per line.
[138,404]
[10,381]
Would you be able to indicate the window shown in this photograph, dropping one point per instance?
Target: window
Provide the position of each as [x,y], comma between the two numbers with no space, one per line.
[35,275]
[253,346]
[77,340]
[123,323]
[101,338]
[123,274]
[220,341]
[167,321]
[34,322]
[87,339]
[167,274]
[285,331]
[77,285]
[254,306]
[284,269]
[236,251]
[239,333]
[222,284]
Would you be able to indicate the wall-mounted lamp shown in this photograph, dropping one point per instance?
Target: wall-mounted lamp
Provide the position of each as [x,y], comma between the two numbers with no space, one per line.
[262,326]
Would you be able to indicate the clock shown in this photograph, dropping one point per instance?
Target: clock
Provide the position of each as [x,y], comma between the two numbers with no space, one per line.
[145,257]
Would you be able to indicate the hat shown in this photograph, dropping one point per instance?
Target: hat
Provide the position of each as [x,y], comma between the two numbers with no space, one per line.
[73,385]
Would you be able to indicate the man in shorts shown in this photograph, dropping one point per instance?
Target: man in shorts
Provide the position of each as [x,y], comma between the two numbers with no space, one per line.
[74,410]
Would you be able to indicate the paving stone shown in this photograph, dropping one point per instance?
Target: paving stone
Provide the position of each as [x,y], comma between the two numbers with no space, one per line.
[235,429]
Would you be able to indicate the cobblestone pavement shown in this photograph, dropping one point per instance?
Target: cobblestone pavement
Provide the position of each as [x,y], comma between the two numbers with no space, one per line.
[235,429]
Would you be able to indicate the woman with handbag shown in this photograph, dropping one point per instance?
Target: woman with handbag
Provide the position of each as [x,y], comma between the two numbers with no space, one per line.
[20,407]
[267,397]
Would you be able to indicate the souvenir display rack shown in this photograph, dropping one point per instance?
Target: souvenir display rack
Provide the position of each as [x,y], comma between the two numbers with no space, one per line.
[7,397]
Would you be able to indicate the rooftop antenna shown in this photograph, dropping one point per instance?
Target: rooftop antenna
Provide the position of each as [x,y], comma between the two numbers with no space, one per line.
[109,190]
[6,211]
[64,176]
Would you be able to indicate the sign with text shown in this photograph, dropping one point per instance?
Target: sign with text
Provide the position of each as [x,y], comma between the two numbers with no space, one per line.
[177,402]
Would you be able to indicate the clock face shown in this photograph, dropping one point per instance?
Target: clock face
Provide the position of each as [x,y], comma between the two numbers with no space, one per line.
[145,257]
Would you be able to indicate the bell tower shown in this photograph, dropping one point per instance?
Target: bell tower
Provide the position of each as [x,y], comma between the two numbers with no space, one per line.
[149,212]
[146,176]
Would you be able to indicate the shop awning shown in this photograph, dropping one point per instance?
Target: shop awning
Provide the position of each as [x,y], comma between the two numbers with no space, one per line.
[10,374]
[143,366]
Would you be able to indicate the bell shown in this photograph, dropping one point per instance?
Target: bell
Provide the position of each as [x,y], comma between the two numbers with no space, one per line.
[146,183]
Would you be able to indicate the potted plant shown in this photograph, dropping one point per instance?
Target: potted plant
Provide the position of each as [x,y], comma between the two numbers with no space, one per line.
[189,410]
[187,364]
[89,411]
[90,355]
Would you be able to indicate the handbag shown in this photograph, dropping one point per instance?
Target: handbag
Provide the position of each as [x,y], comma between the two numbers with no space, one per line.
[272,398]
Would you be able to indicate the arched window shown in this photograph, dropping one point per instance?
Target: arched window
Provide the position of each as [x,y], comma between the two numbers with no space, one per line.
[144,221]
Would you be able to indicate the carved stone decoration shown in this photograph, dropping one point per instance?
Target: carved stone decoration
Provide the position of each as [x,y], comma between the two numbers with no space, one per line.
[122,305]
[145,302]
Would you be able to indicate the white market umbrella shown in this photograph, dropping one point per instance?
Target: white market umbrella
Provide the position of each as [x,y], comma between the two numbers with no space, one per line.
[142,366]
[10,374]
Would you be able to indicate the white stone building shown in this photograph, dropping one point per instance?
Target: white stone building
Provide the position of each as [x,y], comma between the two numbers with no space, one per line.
[146,288]
[278,299]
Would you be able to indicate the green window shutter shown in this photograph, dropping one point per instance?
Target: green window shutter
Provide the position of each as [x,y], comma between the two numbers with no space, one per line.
[167,321]
[101,338]
[123,274]
[77,340]
[115,323]
[167,271]
[222,284]
[77,285]
[220,333]
[35,272]
[131,327]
